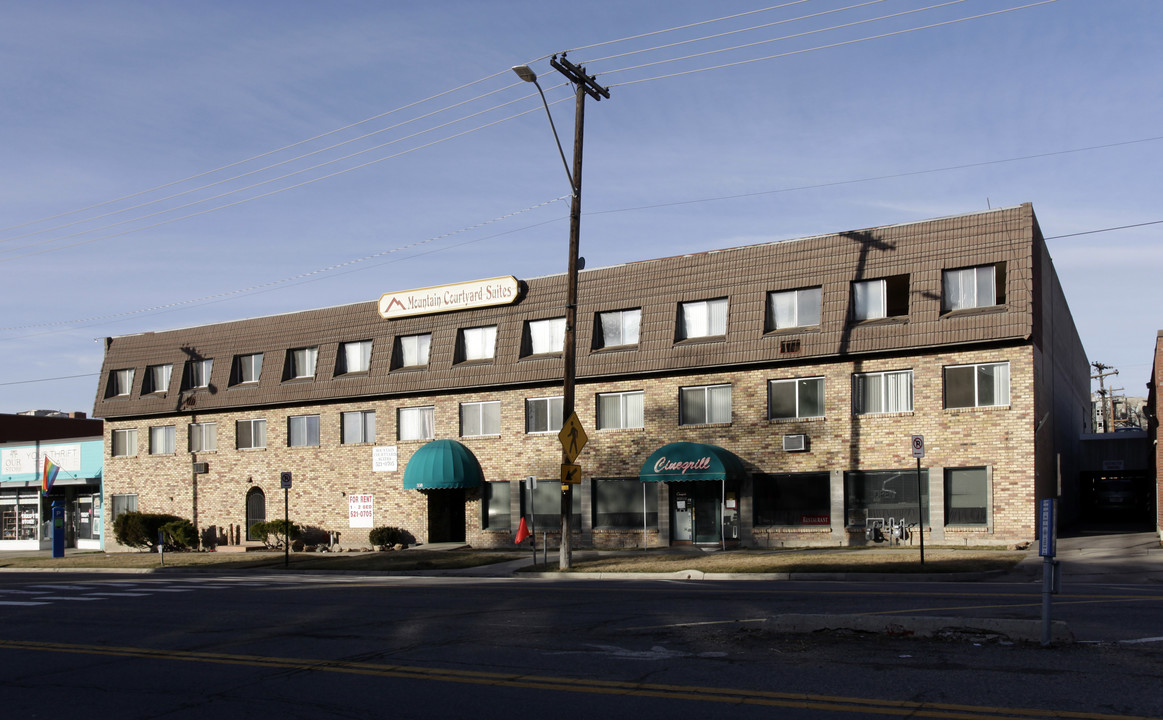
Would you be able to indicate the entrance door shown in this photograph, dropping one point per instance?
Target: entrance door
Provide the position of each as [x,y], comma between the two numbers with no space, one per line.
[708,512]
[445,515]
[696,510]
[256,509]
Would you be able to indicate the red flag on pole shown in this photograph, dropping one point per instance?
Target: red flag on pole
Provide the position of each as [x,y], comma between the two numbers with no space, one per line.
[522,532]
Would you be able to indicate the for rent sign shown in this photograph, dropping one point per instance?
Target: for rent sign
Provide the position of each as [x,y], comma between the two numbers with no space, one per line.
[446,298]
[359,511]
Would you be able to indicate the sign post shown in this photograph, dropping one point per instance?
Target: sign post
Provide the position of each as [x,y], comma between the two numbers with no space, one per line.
[918,444]
[1047,542]
[285,482]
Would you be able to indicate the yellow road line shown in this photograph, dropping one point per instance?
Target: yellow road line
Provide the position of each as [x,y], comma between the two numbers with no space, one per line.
[581,685]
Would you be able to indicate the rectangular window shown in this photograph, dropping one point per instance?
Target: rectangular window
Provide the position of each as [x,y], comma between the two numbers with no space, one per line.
[301,363]
[247,368]
[124,443]
[800,398]
[417,423]
[122,504]
[792,499]
[478,343]
[411,351]
[794,309]
[971,287]
[621,410]
[705,318]
[618,328]
[619,503]
[303,431]
[966,496]
[203,437]
[161,440]
[198,373]
[884,494]
[986,385]
[480,418]
[705,405]
[120,382]
[882,392]
[542,505]
[543,415]
[354,357]
[250,434]
[873,299]
[157,378]
[495,501]
[358,427]
[544,336]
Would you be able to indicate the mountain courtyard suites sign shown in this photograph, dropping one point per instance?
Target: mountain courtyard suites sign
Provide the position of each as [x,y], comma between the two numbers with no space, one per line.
[446,298]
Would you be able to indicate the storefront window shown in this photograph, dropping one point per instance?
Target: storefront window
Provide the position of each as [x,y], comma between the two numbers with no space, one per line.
[545,501]
[19,514]
[886,495]
[495,498]
[618,503]
[792,499]
[966,496]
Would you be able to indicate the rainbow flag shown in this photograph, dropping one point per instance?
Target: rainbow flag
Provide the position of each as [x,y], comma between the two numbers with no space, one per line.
[50,474]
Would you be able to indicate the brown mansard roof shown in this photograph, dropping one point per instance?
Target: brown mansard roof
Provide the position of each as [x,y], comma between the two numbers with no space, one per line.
[744,275]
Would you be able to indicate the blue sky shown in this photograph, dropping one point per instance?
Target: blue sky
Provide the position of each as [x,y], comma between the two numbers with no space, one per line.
[174,164]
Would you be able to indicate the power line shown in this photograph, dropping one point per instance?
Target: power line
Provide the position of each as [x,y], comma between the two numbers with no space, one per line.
[53,379]
[1102,230]
[826,47]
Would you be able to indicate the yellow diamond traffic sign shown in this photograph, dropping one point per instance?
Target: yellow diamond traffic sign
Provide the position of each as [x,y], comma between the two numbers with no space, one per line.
[573,437]
[571,474]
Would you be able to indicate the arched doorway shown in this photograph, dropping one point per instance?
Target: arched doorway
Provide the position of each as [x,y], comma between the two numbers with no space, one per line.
[256,509]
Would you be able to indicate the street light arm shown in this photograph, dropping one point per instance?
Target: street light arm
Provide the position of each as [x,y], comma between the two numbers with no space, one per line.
[528,75]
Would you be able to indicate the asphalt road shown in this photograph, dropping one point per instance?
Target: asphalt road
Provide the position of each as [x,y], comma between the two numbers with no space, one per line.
[209,646]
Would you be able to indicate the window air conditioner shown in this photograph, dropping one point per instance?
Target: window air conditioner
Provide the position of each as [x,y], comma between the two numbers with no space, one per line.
[795,443]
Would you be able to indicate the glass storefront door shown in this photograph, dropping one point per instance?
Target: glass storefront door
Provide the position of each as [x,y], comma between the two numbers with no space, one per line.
[697,512]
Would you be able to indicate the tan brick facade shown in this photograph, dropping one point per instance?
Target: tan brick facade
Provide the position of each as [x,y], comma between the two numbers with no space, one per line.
[1024,448]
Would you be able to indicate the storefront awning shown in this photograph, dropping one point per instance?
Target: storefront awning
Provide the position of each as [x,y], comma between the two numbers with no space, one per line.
[691,461]
[442,465]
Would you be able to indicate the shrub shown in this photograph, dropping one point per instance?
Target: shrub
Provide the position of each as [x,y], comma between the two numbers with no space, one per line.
[140,530]
[179,535]
[383,537]
[272,532]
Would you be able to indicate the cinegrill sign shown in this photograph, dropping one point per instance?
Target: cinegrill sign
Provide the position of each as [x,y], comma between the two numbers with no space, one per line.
[446,298]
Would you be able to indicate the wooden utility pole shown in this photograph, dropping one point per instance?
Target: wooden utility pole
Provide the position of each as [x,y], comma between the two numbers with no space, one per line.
[1107,409]
[584,85]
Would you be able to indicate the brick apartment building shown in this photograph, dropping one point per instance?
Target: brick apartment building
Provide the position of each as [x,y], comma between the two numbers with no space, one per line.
[764,395]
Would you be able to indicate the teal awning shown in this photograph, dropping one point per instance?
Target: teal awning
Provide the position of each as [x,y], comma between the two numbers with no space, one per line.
[691,461]
[442,465]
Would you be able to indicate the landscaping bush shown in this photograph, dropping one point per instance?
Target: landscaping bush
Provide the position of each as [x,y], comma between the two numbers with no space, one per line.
[140,530]
[272,532]
[383,537]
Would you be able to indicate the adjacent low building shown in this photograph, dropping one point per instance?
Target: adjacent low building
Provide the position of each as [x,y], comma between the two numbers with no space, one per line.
[76,447]
[769,395]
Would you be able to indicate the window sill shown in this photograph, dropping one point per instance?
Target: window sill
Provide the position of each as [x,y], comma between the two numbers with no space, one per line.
[791,421]
[980,408]
[701,340]
[969,312]
[540,356]
[876,322]
[491,436]
[614,349]
[473,363]
[620,429]
[297,380]
[704,425]
[408,369]
[415,440]
[799,330]
[901,413]
[352,373]
[788,529]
